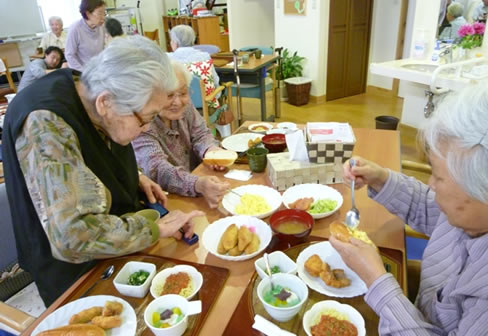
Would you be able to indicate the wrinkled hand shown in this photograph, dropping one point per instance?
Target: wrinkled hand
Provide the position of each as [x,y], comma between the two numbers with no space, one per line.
[212,189]
[152,190]
[366,173]
[216,167]
[362,258]
[170,224]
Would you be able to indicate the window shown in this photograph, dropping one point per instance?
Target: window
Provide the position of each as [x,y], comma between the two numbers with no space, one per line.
[68,10]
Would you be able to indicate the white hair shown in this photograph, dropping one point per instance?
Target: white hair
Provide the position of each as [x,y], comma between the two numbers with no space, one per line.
[183,35]
[458,133]
[455,9]
[181,68]
[130,69]
[55,18]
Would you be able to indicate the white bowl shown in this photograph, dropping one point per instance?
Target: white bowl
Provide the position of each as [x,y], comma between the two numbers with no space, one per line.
[213,232]
[121,280]
[287,125]
[276,258]
[292,282]
[160,278]
[171,301]
[317,192]
[273,197]
[266,126]
[312,316]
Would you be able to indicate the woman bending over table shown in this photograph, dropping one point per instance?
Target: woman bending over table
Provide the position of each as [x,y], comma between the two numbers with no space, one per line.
[452,210]
[175,144]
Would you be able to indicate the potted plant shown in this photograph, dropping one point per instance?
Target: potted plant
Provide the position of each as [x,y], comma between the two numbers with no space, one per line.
[297,87]
[471,36]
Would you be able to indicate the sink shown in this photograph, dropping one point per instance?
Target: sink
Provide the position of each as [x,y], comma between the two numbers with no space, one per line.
[420,67]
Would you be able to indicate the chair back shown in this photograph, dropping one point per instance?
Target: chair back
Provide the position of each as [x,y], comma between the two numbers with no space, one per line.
[209,48]
[152,35]
[264,50]
[4,71]
[7,239]
[196,93]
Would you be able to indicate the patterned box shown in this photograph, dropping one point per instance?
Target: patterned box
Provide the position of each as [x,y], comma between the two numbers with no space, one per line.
[330,152]
[284,173]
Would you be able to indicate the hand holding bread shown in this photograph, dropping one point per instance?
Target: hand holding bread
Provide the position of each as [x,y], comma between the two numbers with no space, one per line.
[217,157]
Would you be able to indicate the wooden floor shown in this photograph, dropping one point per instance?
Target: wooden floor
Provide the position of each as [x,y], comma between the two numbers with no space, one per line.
[359,111]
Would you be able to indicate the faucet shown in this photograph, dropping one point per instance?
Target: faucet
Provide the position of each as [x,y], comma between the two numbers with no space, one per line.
[446,54]
[429,107]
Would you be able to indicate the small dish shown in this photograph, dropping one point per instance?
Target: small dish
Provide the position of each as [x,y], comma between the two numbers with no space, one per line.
[121,281]
[276,258]
[287,125]
[275,143]
[260,127]
[291,225]
[160,278]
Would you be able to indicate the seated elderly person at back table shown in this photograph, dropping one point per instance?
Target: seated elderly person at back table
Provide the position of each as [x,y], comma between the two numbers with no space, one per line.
[455,17]
[175,144]
[182,41]
[452,210]
[38,68]
[71,175]
[56,37]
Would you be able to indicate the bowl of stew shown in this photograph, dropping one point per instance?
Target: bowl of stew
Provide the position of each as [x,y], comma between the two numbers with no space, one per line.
[275,143]
[291,225]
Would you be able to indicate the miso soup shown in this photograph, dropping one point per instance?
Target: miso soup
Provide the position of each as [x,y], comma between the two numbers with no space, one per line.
[291,226]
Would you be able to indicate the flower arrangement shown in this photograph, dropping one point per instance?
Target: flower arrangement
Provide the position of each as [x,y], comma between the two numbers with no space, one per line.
[471,35]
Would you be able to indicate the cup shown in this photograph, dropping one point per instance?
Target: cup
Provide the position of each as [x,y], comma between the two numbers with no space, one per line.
[258,53]
[257,159]
[245,58]
[150,214]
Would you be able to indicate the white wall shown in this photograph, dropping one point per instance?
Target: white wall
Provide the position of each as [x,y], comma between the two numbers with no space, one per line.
[251,23]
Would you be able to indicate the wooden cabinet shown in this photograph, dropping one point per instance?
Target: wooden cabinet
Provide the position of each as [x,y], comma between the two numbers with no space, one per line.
[207,30]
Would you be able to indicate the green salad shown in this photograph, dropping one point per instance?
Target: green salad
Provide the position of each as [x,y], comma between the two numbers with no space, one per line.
[138,278]
[274,270]
[323,205]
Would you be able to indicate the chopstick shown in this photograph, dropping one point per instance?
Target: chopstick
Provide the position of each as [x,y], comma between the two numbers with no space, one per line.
[234,192]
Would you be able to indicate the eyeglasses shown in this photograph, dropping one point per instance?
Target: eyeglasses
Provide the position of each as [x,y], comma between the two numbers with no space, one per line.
[142,122]
[182,95]
[100,13]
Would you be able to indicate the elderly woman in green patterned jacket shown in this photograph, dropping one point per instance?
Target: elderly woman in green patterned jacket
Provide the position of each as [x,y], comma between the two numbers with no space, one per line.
[70,171]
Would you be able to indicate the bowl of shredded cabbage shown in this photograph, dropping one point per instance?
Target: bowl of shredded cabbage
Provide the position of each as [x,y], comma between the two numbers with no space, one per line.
[255,200]
[317,199]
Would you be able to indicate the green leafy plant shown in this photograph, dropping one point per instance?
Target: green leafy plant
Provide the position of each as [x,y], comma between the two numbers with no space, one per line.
[292,65]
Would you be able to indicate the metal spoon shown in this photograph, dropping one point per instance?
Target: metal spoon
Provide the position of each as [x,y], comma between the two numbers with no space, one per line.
[105,275]
[266,261]
[352,216]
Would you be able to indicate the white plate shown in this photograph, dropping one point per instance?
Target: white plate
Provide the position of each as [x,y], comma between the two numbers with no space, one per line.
[353,316]
[160,278]
[287,125]
[212,234]
[273,197]
[264,125]
[317,192]
[328,254]
[61,316]
[238,142]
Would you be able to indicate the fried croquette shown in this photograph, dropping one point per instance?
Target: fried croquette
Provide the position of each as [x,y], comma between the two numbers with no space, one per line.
[220,248]
[234,252]
[244,238]
[335,278]
[229,238]
[314,265]
[86,315]
[253,245]
[107,322]
[112,308]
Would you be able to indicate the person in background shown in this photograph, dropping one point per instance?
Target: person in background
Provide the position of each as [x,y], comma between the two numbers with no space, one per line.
[456,19]
[481,11]
[113,28]
[452,210]
[56,37]
[71,175]
[175,144]
[86,37]
[53,58]
[182,41]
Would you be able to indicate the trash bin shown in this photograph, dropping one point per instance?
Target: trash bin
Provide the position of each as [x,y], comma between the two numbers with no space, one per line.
[298,89]
[386,122]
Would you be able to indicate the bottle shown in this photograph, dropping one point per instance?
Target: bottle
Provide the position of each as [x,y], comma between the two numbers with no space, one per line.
[436,53]
[420,46]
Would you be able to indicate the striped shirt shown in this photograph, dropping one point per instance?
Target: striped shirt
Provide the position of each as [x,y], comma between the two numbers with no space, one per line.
[453,293]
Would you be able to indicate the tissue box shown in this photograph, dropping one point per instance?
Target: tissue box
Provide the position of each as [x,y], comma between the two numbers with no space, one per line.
[284,173]
[329,153]
[329,142]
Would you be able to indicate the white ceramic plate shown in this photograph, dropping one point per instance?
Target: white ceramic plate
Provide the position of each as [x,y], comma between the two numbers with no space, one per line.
[287,125]
[266,127]
[61,316]
[328,254]
[212,234]
[317,192]
[272,196]
[311,316]
[160,278]
[238,142]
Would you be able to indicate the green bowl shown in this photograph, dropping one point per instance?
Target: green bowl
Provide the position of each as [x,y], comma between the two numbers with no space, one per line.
[257,159]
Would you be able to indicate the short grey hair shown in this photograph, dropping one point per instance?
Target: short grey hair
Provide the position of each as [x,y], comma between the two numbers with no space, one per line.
[456,9]
[183,35]
[55,18]
[181,68]
[130,69]
[458,133]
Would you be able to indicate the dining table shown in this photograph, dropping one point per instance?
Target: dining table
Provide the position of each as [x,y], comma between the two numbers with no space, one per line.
[384,229]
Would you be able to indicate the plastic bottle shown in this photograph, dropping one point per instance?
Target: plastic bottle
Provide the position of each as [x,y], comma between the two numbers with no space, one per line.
[420,46]
[436,53]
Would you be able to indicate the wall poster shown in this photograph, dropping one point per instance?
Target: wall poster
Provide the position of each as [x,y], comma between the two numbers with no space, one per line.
[295,7]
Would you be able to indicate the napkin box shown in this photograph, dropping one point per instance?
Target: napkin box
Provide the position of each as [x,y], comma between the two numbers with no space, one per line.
[284,173]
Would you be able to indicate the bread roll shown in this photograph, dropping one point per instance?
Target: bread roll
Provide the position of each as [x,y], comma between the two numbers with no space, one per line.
[340,231]
[75,330]
[223,158]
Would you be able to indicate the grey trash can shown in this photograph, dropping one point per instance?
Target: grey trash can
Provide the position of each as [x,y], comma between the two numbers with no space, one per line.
[386,122]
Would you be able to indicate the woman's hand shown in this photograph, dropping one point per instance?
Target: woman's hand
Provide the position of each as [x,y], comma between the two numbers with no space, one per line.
[212,189]
[362,258]
[366,173]
[152,190]
[170,224]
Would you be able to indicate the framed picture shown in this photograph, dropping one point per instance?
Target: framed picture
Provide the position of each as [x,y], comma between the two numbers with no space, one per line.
[295,7]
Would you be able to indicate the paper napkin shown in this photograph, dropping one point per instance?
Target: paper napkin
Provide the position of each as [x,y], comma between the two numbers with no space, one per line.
[269,328]
[295,142]
[238,174]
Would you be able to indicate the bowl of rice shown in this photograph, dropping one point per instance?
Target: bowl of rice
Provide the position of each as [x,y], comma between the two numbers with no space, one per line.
[255,200]
[181,280]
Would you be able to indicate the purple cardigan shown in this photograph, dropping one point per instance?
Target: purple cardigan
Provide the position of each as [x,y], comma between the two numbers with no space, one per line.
[83,43]
[453,294]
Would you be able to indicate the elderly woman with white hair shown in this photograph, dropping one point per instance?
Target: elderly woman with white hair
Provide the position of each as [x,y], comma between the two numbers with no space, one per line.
[182,42]
[175,144]
[452,210]
[456,19]
[71,174]
[56,37]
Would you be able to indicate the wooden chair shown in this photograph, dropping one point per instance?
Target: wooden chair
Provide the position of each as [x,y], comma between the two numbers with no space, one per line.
[152,35]
[4,71]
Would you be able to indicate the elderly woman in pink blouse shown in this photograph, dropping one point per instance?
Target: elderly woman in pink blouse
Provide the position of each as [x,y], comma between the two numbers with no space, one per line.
[175,144]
